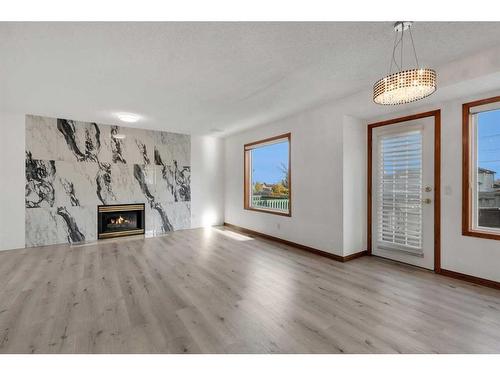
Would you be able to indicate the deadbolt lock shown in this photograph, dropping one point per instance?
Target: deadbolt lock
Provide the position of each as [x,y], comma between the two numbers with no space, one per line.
[428,188]
[427,200]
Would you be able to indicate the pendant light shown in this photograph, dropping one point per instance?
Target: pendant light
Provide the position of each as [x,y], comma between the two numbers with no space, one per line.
[406,85]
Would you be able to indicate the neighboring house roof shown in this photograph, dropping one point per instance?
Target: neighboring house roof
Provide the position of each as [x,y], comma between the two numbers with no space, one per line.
[487,171]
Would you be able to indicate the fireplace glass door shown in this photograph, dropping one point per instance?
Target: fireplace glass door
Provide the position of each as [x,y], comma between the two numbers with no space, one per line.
[120,220]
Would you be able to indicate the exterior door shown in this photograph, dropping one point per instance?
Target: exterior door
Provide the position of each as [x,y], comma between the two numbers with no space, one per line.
[403,192]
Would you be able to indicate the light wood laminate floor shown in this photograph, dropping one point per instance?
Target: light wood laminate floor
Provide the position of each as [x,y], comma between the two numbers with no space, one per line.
[217,291]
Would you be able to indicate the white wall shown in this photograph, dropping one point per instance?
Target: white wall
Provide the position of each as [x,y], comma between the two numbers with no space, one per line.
[328,168]
[11,181]
[207,205]
[207,181]
[354,185]
[316,178]
[475,256]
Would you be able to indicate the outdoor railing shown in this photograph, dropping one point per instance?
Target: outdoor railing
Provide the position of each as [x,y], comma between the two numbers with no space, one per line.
[489,217]
[276,204]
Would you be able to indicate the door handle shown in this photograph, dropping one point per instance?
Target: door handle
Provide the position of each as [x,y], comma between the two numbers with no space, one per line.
[427,200]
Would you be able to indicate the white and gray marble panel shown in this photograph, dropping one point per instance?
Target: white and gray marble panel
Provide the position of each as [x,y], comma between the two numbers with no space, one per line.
[179,214]
[173,183]
[165,184]
[43,227]
[40,187]
[80,223]
[84,141]
[76,184]
[132,146]
[46,226]
[170,147]
[43,138]
[133,183]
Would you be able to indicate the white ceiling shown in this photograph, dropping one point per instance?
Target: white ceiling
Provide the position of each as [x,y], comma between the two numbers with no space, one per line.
[197,77]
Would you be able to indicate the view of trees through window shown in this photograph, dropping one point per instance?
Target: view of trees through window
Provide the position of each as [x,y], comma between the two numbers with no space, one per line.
[488,168]
[270,176]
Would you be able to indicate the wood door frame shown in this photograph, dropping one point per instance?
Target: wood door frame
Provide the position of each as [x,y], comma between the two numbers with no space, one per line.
[437,178]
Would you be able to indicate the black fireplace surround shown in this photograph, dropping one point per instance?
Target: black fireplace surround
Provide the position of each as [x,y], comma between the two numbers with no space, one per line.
[120,220]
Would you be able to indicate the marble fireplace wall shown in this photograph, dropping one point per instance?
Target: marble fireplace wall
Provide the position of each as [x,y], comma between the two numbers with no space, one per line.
[72,167]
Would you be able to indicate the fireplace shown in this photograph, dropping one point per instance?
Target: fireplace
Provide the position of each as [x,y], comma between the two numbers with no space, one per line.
[120,220]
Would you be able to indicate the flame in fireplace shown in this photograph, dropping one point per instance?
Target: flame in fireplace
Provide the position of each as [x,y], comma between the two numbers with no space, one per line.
[119,220]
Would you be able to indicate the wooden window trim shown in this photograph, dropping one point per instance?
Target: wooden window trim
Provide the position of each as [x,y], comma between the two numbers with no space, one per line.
[467,214]
[246,175]
[437,179]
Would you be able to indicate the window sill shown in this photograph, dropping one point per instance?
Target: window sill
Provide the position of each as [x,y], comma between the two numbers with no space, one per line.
[273,212]
[481,234]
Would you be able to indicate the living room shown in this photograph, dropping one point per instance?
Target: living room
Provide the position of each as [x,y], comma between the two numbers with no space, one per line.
[206,187]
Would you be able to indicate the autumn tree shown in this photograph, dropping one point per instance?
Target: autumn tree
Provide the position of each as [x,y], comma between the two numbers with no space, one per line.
[284,169]
[258,187]
[279,190]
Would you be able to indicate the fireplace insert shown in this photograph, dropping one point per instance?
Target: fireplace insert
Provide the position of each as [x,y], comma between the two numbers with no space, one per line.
[120,220]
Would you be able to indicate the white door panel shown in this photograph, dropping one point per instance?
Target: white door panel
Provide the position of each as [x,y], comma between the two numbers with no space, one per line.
[403,189]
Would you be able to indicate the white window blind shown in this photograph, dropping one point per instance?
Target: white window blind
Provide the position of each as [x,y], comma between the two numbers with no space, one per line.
[400,192]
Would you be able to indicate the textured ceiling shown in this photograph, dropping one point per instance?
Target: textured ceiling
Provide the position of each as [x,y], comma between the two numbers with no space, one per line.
[196,77]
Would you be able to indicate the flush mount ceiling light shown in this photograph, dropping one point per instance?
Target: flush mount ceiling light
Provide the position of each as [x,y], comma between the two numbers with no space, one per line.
[128,117]
[405,85]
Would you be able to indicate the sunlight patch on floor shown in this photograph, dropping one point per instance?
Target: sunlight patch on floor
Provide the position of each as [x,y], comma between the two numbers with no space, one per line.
[233,235]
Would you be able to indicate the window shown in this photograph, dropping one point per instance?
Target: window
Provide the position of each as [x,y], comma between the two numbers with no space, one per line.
[267,175]
[481,175]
